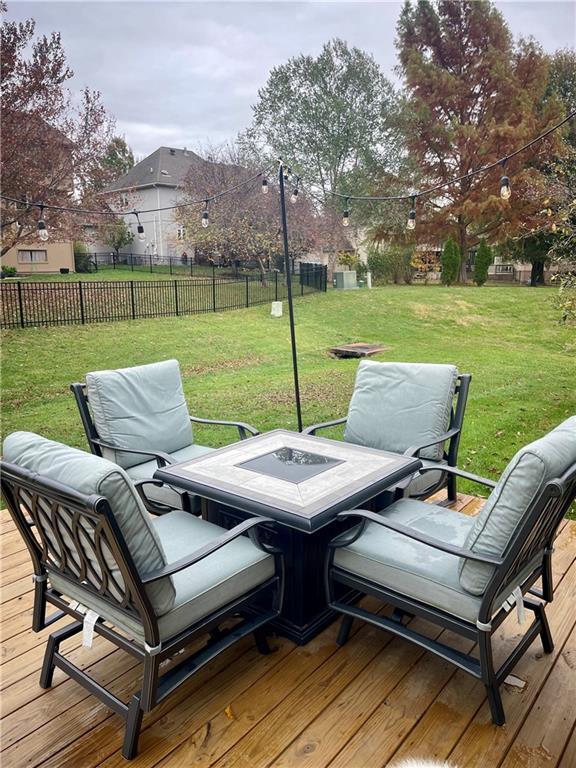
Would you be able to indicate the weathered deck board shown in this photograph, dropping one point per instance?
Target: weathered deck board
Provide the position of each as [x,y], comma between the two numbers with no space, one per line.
[374,701]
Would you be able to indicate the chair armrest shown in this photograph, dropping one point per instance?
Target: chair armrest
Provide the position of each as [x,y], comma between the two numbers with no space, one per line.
[242,427]
[311,430]
[414,450]
[156,507]
[460,473]
[162,459]
[405,530]
[206,550]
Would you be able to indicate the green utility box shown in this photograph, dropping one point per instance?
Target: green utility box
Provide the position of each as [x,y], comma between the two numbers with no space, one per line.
[345,281]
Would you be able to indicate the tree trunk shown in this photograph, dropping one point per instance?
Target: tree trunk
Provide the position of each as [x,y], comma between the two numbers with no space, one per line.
[463,243]
[537,273]
[262,272]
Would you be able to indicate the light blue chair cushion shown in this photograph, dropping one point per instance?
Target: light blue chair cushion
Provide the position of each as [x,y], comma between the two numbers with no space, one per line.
[395,406]
[421,484]
[141,407]
[523,479]
[91,474]
[163,493]
[406,566]
[205,587]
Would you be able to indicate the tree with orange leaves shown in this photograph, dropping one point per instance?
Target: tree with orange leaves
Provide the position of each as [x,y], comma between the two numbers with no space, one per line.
[474,97]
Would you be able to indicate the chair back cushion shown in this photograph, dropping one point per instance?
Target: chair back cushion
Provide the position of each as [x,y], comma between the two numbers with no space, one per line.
[141,407]
[395,406]
[522,481]
[90,474]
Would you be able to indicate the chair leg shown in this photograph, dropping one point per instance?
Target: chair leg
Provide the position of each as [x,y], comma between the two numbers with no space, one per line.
[262,641]
[344,631]
[545,634]
[52,647]
[489,678]
[452,488]
[132,732]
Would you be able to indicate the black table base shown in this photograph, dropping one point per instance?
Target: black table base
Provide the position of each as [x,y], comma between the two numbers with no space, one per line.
[305,612]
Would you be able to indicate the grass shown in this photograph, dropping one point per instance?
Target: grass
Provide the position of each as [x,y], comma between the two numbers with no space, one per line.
[160,272]
[238,364]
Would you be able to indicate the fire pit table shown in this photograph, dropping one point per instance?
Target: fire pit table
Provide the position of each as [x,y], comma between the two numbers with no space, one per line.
[302,482]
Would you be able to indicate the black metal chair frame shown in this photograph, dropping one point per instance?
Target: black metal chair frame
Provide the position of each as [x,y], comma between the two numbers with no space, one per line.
[60,516]
[162,459]
[534,535]
[452,435]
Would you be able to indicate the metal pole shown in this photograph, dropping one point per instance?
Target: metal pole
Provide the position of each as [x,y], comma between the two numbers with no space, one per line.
[289,291]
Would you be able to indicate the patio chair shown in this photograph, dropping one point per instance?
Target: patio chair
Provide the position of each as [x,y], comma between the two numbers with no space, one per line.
[138,418]
[410,408]
[150,586]
[460,572]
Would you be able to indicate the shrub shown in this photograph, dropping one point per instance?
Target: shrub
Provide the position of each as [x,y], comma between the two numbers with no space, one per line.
[82,262]
[392,263]
[483,261]
[8,271]
[450,262]
[566,298]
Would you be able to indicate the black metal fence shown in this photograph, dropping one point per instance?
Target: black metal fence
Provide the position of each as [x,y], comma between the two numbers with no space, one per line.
[181,266]
[90,301]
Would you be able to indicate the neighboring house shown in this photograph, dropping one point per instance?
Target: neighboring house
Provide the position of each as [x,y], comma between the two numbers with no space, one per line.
[46,257]
[153,183]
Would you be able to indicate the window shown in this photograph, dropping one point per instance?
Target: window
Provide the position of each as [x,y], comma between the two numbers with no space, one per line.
[32,257]
[181,233]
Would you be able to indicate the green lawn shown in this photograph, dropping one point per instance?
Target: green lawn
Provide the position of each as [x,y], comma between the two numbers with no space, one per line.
[160,272]
[237,364]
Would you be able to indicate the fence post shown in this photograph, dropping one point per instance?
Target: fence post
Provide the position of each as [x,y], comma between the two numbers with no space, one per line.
[132,300]
[176,296]
[191,267]
[170,265]
[276,286]
[131,262]
[213,271]
[247,293]
[20,304]
[213,290]
[150,257]
[81,295]
[113,261]
[96,262]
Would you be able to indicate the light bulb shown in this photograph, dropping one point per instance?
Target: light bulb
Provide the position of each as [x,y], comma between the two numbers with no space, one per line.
[205,220]
[141,235]
[264,186]
[294,197]
[505,190]
[346,218]
[42,231]
[411,223]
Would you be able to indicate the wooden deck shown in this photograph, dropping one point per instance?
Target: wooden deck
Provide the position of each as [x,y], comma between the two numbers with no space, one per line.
[371,703]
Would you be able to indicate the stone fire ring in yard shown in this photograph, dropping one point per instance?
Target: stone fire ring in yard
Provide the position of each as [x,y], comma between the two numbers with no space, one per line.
[356,349]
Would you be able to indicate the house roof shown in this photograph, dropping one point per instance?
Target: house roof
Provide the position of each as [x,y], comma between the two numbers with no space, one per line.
[165,167]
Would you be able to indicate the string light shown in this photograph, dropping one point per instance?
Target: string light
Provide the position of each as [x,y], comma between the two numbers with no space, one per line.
[205,216]
[505,190]
[411,223]
[139,228]
[264,186]
[294,197]
[42,229]
[346,216]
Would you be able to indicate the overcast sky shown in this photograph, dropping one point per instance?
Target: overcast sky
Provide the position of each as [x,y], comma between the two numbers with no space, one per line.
[187,73]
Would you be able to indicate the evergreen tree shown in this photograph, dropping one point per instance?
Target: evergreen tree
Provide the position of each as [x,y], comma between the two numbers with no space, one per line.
[483,261]
[450,262]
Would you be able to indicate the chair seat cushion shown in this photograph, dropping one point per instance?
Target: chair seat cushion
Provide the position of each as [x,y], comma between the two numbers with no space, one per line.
[396,406]
[200,589]
[399,563]
[422,485]
[163,493]
[140,407]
